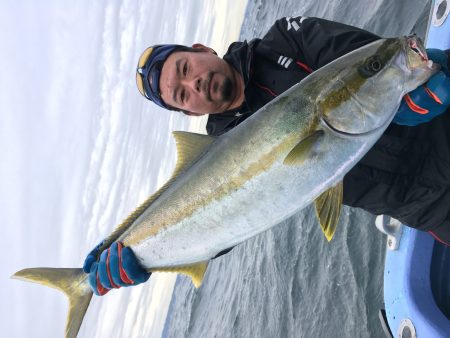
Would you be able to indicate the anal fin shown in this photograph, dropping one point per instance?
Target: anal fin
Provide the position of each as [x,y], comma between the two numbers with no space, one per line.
[195,271]
[328,209]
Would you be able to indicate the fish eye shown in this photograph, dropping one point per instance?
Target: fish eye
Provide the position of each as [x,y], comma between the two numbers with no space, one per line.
[371,66]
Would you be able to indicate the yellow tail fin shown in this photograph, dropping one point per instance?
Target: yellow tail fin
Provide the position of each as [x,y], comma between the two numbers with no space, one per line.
[73,282]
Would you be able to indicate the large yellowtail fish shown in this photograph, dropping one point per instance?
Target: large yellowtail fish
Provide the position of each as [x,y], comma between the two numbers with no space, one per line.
[294,151]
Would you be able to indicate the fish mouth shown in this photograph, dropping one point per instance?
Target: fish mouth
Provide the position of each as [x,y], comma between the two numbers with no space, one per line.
[420,66]
[416,45]
[417,56]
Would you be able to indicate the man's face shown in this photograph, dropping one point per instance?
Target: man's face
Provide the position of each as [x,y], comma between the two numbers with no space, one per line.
[198,82]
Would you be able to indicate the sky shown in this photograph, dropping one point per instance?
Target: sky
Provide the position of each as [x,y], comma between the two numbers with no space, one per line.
[80,148]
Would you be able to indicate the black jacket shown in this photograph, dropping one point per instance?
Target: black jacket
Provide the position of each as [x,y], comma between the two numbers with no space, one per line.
[291,50]
[405,175]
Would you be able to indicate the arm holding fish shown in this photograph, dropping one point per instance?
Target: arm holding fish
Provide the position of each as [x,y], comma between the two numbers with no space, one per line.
[430,99]
[117,267]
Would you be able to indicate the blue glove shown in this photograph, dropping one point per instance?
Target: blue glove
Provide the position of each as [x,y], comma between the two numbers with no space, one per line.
[91,258]
[117,267]
[429,100]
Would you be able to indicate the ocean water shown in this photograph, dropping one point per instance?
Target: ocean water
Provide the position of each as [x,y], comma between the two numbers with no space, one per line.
[288,282]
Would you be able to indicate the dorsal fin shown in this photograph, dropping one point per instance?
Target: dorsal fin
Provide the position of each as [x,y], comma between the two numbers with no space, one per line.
[189,148]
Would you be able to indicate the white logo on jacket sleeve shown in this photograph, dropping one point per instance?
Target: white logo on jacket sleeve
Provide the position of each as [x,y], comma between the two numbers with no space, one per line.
[294,22]
[284,61]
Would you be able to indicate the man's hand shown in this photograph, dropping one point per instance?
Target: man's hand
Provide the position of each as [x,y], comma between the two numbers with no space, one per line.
[429,100]
[117,267]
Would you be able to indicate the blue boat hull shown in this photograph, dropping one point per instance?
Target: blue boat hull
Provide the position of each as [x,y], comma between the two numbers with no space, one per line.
[412,274]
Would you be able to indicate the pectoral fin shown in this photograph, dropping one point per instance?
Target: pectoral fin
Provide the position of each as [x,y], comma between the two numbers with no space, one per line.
[328,209]
[304,149]
[195,271]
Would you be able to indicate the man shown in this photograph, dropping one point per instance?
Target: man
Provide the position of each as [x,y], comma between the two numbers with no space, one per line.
[405,175]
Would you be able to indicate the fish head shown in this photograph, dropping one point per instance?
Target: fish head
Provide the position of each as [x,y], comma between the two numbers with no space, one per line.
[364,88]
